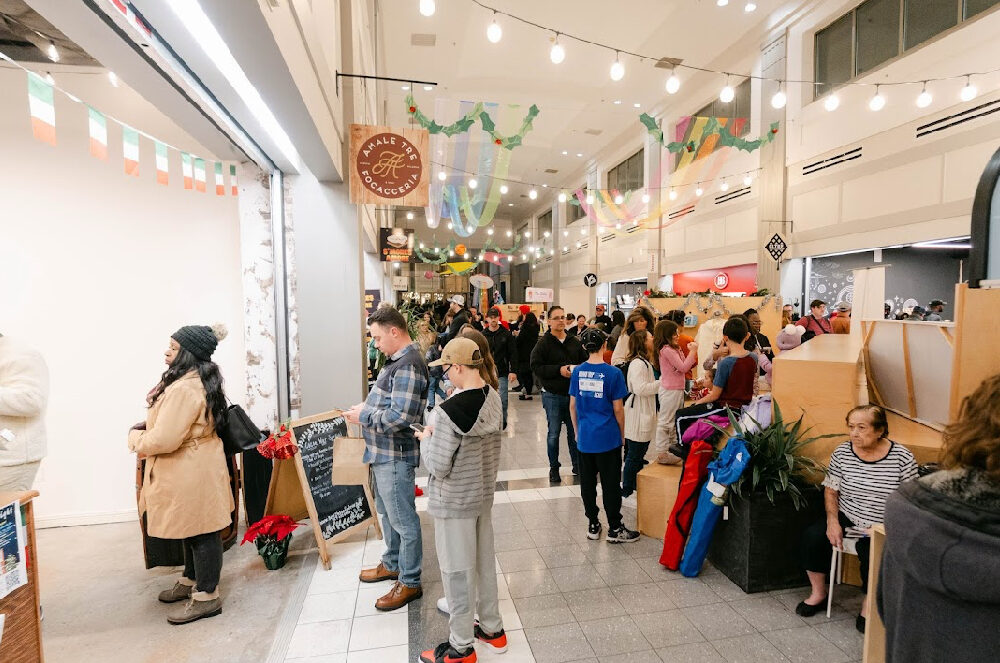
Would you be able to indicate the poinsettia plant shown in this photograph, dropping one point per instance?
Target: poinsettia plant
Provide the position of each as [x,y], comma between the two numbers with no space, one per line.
[279,445]
[654,293]
[268,533]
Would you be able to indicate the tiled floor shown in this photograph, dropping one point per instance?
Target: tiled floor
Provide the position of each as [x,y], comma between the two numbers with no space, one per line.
[564,597]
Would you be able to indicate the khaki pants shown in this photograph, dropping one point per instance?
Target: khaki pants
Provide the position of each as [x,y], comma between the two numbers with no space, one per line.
[468,573]
[18,478]
[670,401]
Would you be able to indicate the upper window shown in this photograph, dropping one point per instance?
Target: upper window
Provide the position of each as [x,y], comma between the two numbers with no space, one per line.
[628,175]
[738,107]
[576,212]
[878,30]
[545,223]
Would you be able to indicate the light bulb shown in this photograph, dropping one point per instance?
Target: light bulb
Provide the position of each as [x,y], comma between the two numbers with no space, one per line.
[532,194]
[645,198]
[565,233]
[877,102]
[578,245]
[600,230]
[565,248]
[673,83]
[504,189]
[451,254]
[427,7]
[450,226]
[618,226]
[527,233]
[747,180]
[473,183]
[968,92]
[721,3]
[396,265]
[727,94]
[552,252]
[832,102]
[546,234]
[724,186]
[509,233]
[617,69]
[442,175]
[562,197]
[699,191]
[590,199]
[494,33]
[524,256]
[583,231]
[749,7]
[779,99]
[557,53]
[409,217]
[421,245]
[430,222]
[489,231]
[924,99]
[49,79]
[619,199]
[52,52]
[510,258]
[428,88]
[113,78]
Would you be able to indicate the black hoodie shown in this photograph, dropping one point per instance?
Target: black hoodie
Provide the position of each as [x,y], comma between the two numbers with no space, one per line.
[550,355]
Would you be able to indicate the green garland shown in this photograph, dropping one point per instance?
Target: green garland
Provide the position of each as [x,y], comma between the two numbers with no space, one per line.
[712,128]
[441,255]
[512,141]
[465,123]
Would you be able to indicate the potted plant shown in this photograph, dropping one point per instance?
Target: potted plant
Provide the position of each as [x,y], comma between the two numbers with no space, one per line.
[756,545]
[272,536]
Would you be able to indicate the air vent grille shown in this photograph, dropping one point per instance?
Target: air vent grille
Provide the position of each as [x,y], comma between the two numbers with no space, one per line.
[594,132]
[830,162]
[682,212]
[982,110]
[732,195]
[423,39]
[551,171]
[668,63]
[608,238]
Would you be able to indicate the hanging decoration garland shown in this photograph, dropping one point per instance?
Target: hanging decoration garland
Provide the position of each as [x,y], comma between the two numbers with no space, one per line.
[465,123]
[441,256]
[713,128]
[512,141]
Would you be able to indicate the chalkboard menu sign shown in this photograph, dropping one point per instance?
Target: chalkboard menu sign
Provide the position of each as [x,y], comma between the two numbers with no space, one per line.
[326,481]
[338,508]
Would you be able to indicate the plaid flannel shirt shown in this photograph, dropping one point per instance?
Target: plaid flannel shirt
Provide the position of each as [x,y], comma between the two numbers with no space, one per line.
[396,401]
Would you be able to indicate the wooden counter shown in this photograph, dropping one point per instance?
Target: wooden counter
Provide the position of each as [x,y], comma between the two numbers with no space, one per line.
[22,630]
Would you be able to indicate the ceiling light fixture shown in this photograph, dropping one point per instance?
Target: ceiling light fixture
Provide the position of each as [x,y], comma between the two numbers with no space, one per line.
[504,188]
[510,204]
[52,52]
[724,186]
[49,79]
[494,32]
[450,226]
[546,234]
[590,199]
[750,7]
[832,102]
[925,98]
[527,233]
[565,233]
[565,152]
[617,69]
[427,7]
[645,198]
[721,3]
[442,175]
[113,78]
[699,191]
[747,180]
[673,82]
[509,233]
[672,195]
[619,199]
[728,93]
[533,194]
[428,88]
[409,217]
[968,92]
[877,102]
[489,231]
[637,105]
[557,53]
[583,231]
[779,99]
[404,88]
[562,197]
[473,183]
[618,102]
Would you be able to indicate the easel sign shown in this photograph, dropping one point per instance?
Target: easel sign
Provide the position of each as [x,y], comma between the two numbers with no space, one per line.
[329,483]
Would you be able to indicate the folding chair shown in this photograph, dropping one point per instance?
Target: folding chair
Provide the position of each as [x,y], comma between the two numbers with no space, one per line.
[849,546]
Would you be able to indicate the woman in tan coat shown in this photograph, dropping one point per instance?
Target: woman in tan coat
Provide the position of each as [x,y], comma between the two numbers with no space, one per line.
[185,492]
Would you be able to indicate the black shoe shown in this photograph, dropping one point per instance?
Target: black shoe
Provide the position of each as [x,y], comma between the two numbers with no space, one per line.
[576,471]
[859,624]
[626,493]
[678,450]
[804,609]
[445,653]
[622,535]
[594,531]
[554,475]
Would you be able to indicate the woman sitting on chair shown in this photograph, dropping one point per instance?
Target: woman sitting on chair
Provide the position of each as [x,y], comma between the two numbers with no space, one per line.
[863,472]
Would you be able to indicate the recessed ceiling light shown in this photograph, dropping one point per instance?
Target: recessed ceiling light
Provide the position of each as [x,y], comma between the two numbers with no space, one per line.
[565,152]
[405,88]
[428,88]
[618,101]
[579,154]
[637,105]
[510,204]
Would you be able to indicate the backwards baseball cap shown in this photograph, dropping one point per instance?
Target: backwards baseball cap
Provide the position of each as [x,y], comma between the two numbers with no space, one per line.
[592,339]
[458,299]
[461,351]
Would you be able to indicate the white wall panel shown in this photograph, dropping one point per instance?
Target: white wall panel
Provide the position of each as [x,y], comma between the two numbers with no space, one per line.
[905,187]
[816,209]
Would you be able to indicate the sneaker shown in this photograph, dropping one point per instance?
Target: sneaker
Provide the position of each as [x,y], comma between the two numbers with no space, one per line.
[554,475]
[594,531]
[622,535]
[442,605]
[496,642]
[445,653]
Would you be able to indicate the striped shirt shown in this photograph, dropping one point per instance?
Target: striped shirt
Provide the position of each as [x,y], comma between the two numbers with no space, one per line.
[395,402]
[864,485]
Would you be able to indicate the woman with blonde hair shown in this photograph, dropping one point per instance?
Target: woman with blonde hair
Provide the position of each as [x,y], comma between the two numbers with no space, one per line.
[640,405]
[939,592]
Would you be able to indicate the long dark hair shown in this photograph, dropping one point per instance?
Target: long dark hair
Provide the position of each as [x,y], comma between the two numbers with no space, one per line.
[663,335]
[211,380]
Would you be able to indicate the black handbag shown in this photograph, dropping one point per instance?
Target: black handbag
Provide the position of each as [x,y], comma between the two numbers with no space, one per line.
[237,431]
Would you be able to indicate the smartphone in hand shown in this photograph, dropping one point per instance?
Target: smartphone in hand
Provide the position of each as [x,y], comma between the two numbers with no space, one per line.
[417,427]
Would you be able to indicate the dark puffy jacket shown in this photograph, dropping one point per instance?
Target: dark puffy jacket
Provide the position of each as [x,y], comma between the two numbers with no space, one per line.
[550,355]
[503,348]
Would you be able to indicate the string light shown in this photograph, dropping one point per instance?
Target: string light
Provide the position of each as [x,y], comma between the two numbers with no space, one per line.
[728,93]
[427,7]
[509,233]
[747,180]
[832,102]
[968,92]
[409,217]
[780,98]
[532,194]
[877,102]
[617,69]
[645,198]
[724,186]
[113,78]
[473,183]
[494,33]
[52,52]
[557,53]
[672,195]
[442,175]
[924,99]
[699,191]
[750,7]
[562,197]
[619,199]
[673,83]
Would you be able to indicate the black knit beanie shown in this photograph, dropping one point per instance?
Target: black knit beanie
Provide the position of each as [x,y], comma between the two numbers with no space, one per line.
[200,340]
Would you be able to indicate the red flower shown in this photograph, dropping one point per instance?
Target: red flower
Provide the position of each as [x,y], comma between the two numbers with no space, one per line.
[690,148]
[413,109]
[498,141]
[646,293]
[774,131]
[278,526]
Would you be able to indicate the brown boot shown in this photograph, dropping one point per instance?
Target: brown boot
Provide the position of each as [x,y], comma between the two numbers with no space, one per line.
[378,574]
[398,596]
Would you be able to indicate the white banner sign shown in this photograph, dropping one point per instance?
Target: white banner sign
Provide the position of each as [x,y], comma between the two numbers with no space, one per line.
[401,283]
[539,294]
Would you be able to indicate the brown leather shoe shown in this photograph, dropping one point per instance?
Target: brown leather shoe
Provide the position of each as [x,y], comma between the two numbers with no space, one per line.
[398,596]
[378,574]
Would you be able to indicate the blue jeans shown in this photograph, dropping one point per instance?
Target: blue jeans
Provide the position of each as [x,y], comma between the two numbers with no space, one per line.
[434,388]
[556,414]
[504,387]
[394,500]
[634,453]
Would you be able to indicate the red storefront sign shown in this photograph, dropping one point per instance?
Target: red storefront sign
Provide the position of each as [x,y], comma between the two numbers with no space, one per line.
[738,278]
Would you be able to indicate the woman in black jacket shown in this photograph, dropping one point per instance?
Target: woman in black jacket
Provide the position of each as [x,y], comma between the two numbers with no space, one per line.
[939,587]
[527,337]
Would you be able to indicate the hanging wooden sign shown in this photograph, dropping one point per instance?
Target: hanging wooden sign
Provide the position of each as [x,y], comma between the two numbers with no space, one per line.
[326,481]
[389,166]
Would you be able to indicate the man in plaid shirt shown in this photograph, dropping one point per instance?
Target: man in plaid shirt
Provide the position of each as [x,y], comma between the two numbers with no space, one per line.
[395,403]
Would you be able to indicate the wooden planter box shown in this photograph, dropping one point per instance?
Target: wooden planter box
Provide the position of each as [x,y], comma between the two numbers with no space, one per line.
[758,546]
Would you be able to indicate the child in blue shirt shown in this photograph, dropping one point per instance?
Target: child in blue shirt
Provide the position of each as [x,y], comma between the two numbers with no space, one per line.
[596,394]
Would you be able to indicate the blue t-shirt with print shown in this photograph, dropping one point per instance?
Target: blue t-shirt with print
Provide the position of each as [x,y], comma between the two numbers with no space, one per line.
[596,387]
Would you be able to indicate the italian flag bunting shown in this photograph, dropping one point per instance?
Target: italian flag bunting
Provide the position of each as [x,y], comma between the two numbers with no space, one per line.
[220,183]
[130,142]
[199,174]
[43,110]
[187,170]
[98,125]
[232,179]
[162,176]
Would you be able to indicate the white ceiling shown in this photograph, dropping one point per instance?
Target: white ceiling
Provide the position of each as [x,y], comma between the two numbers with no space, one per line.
[578,94]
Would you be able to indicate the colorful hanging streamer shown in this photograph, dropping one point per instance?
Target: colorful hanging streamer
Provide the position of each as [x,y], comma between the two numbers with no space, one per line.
[714,128]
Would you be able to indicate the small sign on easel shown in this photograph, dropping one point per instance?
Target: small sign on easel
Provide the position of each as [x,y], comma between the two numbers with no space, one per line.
[326,481]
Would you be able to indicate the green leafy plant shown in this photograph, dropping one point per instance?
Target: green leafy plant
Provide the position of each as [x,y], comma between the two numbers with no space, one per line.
[763,292]
[777,464]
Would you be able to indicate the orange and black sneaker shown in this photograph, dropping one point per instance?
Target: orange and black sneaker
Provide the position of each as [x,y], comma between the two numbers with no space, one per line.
[445,653]
[497,642]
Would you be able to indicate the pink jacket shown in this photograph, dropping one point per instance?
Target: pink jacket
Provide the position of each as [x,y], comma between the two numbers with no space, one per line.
[673,366]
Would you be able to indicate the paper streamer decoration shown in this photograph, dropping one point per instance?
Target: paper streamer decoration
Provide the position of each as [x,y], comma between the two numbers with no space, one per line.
[97,126]
[43,109]
[162,165]
[130,149]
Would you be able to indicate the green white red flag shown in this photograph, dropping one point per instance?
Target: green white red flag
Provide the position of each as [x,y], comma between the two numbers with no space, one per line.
[199,174]
[162,165]
[98,127]
[188,170]
[130,146]
[220,182]
[43,109]
[232,179]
